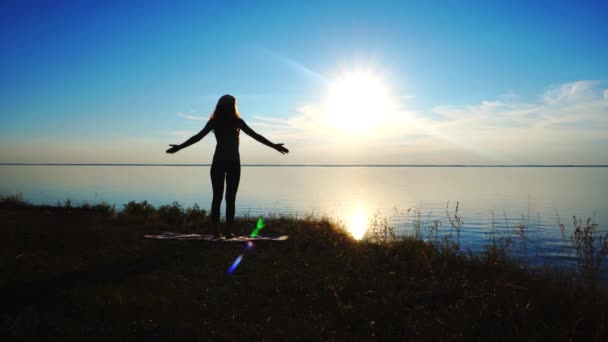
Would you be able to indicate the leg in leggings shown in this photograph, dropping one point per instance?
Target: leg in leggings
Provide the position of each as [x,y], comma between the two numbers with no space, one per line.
[217,184]
[233,176]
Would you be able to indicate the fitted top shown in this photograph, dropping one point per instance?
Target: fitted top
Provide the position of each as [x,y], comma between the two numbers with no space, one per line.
[227,138]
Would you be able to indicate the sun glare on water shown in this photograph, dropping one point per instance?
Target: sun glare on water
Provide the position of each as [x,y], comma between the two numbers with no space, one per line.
[357,101]
[358,224]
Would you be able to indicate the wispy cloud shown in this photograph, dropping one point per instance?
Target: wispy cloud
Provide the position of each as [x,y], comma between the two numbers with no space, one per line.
[566,122]
[571,102]
[294,65]
[190,116]
[181,134]
[270,119]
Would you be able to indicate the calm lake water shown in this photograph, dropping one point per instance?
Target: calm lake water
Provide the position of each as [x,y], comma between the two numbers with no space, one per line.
[539,198]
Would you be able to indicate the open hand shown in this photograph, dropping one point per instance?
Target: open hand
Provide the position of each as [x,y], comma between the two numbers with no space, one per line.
[281,148]
[173,149]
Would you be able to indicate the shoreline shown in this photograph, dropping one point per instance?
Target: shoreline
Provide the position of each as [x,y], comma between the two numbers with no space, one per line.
[332,165]
[88,272]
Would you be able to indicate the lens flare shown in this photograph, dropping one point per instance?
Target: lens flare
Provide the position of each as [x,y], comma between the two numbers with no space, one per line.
[235,264]
[259,226]
[248,246]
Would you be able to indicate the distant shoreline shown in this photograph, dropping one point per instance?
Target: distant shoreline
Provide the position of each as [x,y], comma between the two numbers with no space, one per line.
[319,165]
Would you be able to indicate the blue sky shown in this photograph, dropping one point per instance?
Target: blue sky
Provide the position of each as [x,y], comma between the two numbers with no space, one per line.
[475,82]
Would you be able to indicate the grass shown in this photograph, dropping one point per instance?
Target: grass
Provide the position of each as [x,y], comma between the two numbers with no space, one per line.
[589,253]
[87,273]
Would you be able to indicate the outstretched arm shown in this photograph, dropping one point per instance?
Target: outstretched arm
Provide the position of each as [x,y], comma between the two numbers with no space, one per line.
[194,139]
[260,138]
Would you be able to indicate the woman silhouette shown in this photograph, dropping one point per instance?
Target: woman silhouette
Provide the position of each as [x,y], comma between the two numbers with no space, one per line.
[226,124]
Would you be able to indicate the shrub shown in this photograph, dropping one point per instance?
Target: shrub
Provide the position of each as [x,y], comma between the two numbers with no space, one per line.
[195,215]
[103,208]
[13,201]
[172,213]
[66,204]
[138,212]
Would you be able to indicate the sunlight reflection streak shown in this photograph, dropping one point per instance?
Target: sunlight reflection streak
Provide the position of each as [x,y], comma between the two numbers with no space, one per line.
[358,223]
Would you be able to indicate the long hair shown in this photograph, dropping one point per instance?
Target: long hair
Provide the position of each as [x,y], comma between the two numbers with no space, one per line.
[226,114]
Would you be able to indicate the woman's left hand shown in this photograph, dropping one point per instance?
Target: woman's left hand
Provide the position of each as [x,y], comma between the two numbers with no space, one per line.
[173,149]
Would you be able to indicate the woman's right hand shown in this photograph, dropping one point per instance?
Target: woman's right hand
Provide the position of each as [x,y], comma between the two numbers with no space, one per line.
[281,148]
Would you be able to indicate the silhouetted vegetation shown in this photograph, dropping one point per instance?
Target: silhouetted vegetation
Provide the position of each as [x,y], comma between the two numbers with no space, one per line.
[591,247]
[87,273]
[13,201]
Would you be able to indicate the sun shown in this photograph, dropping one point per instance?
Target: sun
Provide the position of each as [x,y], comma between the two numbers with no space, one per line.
[358,101]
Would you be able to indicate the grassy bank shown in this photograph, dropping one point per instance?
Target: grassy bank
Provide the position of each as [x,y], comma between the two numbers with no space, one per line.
[88,273]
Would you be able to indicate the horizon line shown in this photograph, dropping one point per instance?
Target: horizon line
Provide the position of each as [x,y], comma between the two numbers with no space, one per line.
[312,165]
